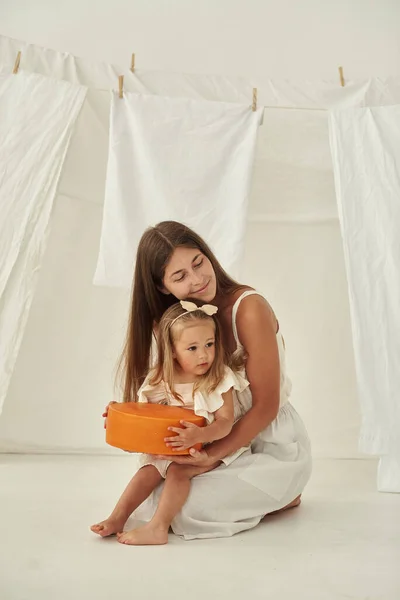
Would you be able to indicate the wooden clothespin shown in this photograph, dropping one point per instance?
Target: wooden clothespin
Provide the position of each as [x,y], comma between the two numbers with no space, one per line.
[342,82]
[133,63]
[121,86]
[16,64]
[254,105]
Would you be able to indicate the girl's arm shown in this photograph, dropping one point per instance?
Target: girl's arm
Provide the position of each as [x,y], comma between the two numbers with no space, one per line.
[191,434]
[257,325]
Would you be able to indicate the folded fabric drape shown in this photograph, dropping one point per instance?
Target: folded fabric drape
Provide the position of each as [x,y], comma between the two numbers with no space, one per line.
[365,145]
[37,118]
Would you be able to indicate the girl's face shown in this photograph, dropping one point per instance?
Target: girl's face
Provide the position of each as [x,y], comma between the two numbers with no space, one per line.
[189,274]
[194,347]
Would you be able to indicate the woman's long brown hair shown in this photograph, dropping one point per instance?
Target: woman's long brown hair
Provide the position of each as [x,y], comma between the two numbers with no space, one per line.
[148,303]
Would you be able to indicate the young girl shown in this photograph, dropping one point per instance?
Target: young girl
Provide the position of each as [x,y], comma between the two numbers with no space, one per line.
[190,372]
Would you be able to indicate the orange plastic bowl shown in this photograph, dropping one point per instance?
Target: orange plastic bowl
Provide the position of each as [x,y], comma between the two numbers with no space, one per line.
[141,427]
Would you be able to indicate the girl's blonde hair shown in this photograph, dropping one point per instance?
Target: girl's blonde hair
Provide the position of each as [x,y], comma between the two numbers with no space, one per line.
[148,303]
[169,330]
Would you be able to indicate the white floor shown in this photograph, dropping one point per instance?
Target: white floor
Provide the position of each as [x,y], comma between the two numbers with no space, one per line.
[343,542]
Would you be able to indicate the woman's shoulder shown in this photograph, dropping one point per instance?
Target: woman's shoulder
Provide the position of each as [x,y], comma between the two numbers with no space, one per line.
[247,299]
[234,298]
[254,311]
[241,291]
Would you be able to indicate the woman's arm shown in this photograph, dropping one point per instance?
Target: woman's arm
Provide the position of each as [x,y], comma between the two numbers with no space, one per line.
[256,325]
[191,434]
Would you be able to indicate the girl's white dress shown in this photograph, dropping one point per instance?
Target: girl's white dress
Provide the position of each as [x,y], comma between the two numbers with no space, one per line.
[235,497]
[204,405]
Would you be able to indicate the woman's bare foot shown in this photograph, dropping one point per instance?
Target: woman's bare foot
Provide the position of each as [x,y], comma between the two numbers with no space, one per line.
[148,535]
[110,526]
[292,504]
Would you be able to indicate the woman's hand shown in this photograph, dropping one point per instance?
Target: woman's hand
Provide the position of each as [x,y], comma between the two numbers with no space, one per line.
[195,459]
[105,413]
[186,436]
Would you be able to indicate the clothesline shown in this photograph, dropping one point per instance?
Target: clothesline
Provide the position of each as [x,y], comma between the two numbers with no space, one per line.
[295,108]
[253,106]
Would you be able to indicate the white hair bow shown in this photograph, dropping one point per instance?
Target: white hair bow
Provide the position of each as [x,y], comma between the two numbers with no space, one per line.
[209,309]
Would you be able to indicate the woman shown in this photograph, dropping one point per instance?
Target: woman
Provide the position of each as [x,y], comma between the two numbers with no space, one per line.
[174,263]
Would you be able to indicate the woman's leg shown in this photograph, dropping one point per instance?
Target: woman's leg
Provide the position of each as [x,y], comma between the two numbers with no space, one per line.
[230,499]
[173,497]
[235,498]
[138,489]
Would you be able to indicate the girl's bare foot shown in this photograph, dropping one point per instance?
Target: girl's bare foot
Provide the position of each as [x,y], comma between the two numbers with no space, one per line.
[148,535]
[110,526]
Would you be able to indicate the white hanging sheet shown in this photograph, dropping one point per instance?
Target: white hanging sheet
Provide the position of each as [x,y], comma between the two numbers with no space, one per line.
[365,145]
[37,117]
[175,159]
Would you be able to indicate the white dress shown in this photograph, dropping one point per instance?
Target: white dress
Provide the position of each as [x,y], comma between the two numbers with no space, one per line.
[234,498]
[204,405]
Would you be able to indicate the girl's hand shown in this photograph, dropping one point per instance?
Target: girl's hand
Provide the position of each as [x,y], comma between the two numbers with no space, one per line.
[195,459]
[186,437]
[105,413]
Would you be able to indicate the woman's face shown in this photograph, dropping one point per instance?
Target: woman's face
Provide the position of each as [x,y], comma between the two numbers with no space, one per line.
[189,274]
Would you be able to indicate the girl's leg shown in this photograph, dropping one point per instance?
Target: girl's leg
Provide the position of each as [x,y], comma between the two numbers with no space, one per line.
[173,497]
[138,489]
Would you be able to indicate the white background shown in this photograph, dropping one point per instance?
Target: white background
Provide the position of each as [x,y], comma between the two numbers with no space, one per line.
[293,251]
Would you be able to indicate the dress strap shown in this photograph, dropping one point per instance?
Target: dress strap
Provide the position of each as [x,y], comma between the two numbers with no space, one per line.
[235,309]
